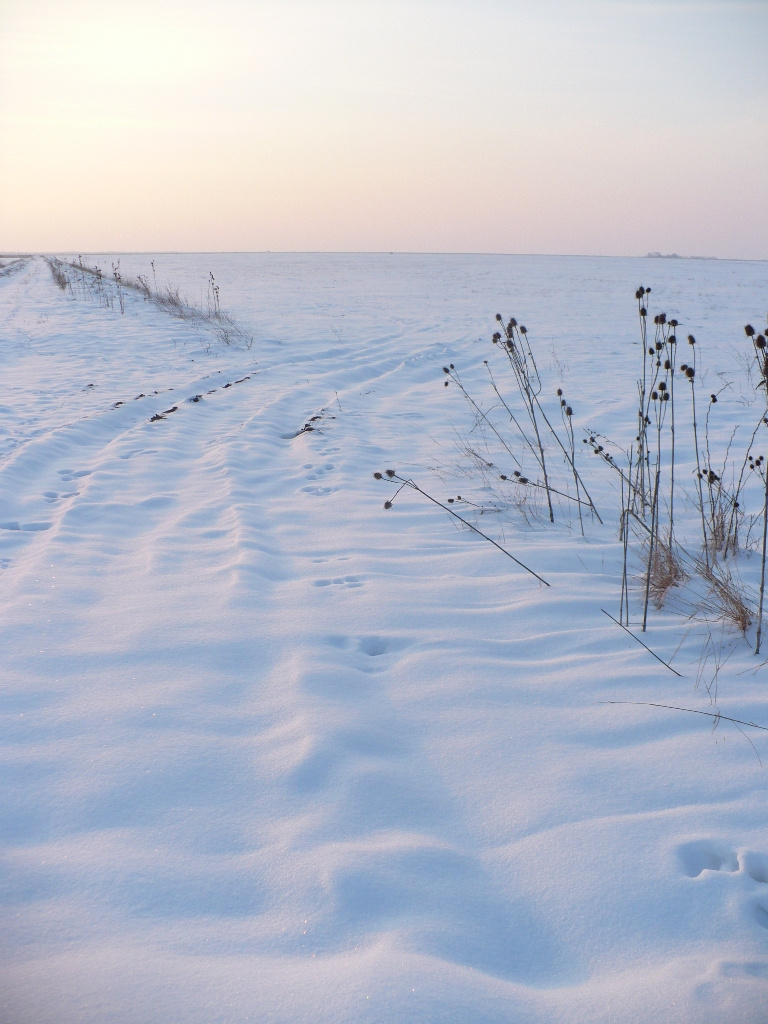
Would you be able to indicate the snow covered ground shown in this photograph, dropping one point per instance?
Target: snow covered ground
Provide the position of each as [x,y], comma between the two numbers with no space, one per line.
[272,753]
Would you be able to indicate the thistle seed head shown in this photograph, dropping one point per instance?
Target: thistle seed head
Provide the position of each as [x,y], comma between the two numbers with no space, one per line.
[390,472]
[377,476]
[691,340]
[760,341]
[387,504]
[749,330]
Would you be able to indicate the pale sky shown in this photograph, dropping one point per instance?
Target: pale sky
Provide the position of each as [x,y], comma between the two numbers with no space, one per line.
[523,126]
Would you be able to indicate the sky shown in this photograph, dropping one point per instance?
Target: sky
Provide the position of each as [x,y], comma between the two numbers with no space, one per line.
[613,127]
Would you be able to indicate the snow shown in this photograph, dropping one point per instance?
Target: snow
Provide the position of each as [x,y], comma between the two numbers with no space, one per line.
[272,753]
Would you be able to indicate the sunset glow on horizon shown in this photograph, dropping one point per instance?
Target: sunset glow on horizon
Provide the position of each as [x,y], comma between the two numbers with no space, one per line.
[588,126]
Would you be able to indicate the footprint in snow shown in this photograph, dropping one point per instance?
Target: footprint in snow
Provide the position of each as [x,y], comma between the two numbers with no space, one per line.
[53,496]
[374,646]
[25,527]
[350,582]
[73,474]
[705,856]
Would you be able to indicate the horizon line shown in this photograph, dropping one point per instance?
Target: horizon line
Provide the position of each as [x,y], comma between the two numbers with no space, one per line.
[369,252]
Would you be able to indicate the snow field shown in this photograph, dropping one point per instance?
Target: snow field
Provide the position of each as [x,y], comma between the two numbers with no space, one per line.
[272,753]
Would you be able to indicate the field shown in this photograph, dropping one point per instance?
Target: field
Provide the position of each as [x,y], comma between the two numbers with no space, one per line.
[273,752]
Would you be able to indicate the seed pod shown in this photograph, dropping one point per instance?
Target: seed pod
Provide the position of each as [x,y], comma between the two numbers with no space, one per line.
[749,330]
[377,476]
[691,340]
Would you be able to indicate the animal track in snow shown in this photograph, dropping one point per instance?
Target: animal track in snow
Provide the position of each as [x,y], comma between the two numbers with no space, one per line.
[138,451]
[53,496]
[317,473]
[706,855]
[73,474]
[318,470]
[374,646]
[756,866]
[340,581]
[25,527]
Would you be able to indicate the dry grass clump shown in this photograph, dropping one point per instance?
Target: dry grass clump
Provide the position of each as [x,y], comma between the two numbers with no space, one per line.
[91,283]
[666,572]
[726,596]
[58,273]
